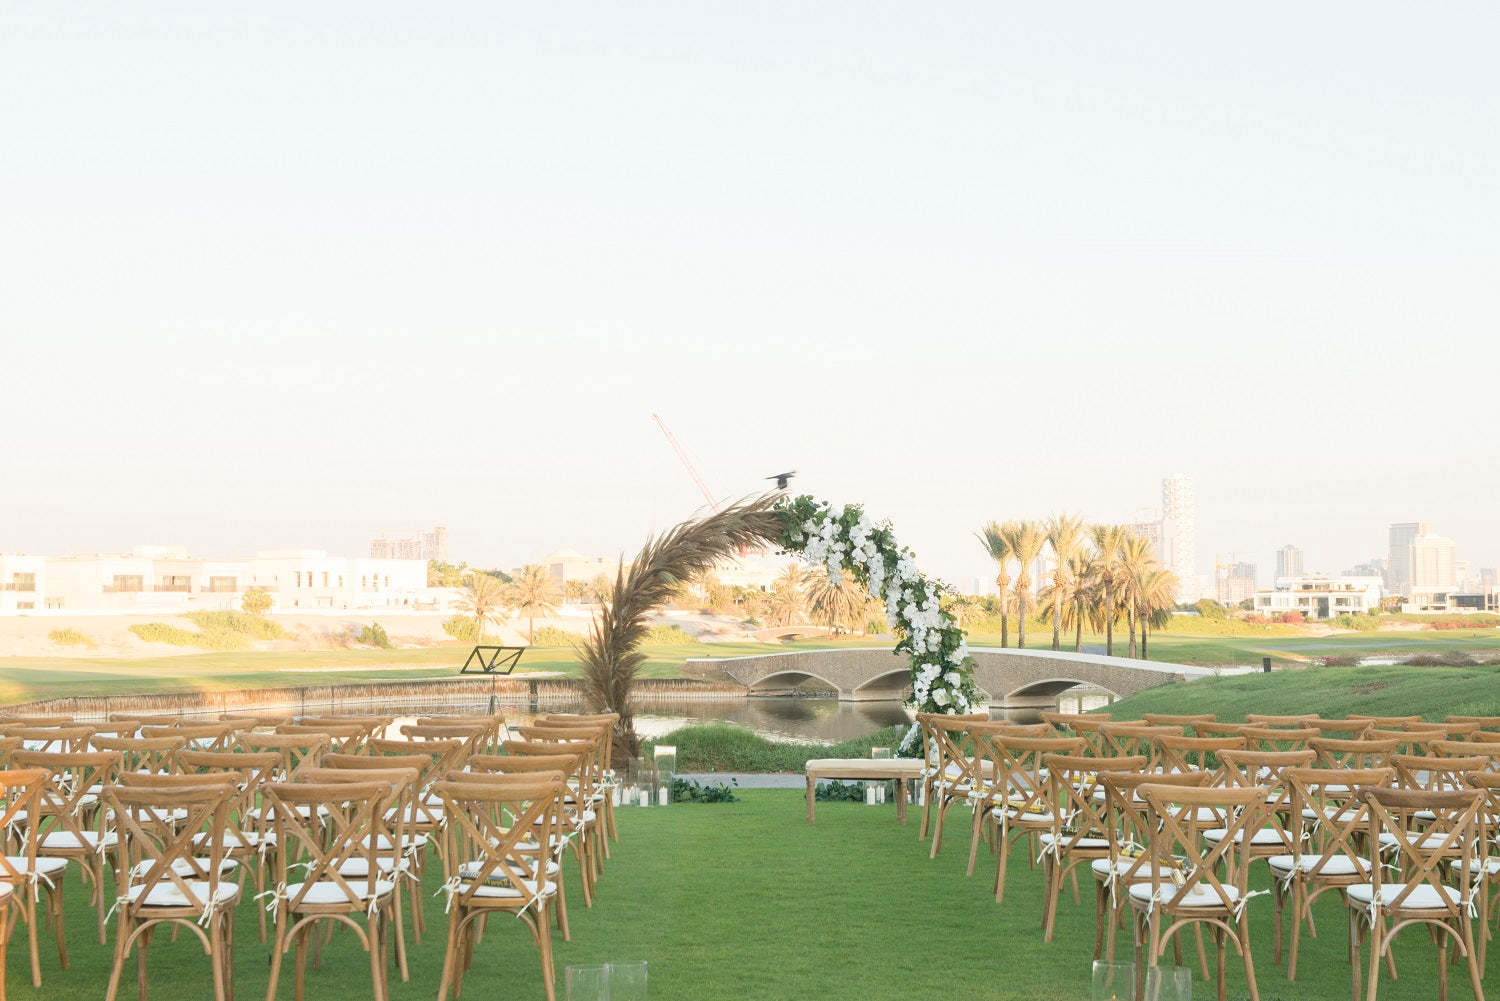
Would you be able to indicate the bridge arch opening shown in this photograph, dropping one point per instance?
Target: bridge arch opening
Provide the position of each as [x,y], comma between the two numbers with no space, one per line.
[898,680]
[1054,687]
[783,682]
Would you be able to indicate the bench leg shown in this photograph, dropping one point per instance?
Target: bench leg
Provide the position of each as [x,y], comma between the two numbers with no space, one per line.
[901,800]
[812,788]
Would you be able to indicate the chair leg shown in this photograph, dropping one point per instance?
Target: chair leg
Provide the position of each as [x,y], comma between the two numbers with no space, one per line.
[1000,860]
[1476,975]
[1376,941]
[1243,927]
[450,954]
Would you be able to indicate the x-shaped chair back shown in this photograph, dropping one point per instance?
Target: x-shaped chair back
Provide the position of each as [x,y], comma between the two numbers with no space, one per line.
[1339,753]
[21,789]
[1075,801]
[65,801]
[1019,780]
[6,722]
[251,770]
[343,738]
[158,824]
[1420,853]
[349,828]
[1178,719]
[1126,820]
[1432,773]
[69,739]
[214,736]
[142,754]
[1195,754]
[1267,738]
[1127,739]
[1467,749]
[1085,725]
[1218,730]
[1332,818]
[474,735]
[492,830]
[408,795]
[298,751]
[1268,719]
[1266,769]
[492,726]
[1386,721]
[1336,729]
[1177,816]
[1487,724]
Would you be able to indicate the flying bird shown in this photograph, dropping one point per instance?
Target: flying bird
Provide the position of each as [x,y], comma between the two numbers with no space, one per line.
[781,479]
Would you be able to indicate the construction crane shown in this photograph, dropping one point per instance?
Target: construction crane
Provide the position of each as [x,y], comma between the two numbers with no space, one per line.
[686,462]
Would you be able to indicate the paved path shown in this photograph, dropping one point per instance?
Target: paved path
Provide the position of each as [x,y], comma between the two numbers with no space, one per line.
[747,781]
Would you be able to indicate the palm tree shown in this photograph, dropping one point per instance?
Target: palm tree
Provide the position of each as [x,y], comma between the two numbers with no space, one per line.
[533,592]
[1158,591]
[1106,539]
[788,600]
[996,539]
[1076,596]
[484,598]
[1065,536]
[1135,564]
[839,601]
[1026,541]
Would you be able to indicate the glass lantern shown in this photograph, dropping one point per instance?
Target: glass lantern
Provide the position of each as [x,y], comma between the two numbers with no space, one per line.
[665,759]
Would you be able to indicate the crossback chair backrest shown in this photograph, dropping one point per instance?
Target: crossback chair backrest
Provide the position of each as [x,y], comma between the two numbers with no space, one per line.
[474,735]
[1266,769]
[158,826]
[1466,749]
[9,745]
[1177,817]
[1131,738]
[491,826]
[1339,753]
[1420,853]
[493,726]
[142,754]
[1491,723]
[20,794]
[402,786]
[250,770]
[1016,764]
[29,721]
[1331,817]
[65,796]
[343,738]
[1085,725]
[212,736]
[1076,811]
[1386,721]
[255,720]
[1217,730]
[1449,730]
[297,751]
[1432,773]
[1410,741]
[610,722]
[407,795]
[70,739]
[1194,754]
[145,719]
[1269,719]
[1337,729]
[955,755]
[1178,719]
[928,724]
[1126,822]
[442,755]
[122,728]
[349,827]
[486,764]
[1269,738]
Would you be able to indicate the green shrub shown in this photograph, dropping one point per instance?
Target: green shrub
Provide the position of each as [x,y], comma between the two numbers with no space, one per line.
[225,621]
[552,636]
[461,628]
[70,637]
[667,636]
[688,791]
[1360,622]
[374,635]
[160,632]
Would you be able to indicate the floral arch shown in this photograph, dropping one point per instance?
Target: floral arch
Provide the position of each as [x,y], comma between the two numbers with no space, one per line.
[843,538]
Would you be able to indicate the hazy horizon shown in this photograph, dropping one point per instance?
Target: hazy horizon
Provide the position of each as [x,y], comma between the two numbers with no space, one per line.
[289,276]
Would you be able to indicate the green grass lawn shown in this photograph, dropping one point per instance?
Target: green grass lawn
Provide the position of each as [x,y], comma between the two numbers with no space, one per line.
[746,900]
[1432,692]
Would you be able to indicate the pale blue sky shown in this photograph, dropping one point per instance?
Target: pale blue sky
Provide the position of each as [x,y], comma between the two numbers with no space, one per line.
[291,275]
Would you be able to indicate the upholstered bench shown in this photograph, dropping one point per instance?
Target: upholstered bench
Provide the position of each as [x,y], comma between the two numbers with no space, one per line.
[901,770]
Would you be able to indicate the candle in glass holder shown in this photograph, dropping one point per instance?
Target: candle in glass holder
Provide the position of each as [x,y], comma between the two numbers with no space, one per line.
[869,794]
[663,796]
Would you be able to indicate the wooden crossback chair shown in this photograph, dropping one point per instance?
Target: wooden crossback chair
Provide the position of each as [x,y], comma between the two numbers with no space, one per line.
[1467,749]
[490,870]
[1329,851]
[154,755]
[1450,730]
[578,821]
[26,873]
[118,728]
[1178,719]
[474,736]
[493,727]
[1129,860]
[69,739]
[1266,770]
[8,720]
[1486,723]
[66,811]
[1079,831]
[1483,869]
[1410,742]
[602,737]
[1123,740]
[1017,804]
[1339,753]
[244,836]
[1208,887]
[1433,773]
[395,850]
[441,756]
[259,720]
[354,813]
[1195,754]
[1386,721]
[8,745]
[1337,729]
[1217,730]
[609,780]
[168,882]
[482,766]
[298,752]
[215,736]
[343,738]
[936,770]
[1382,907]
[1085,725]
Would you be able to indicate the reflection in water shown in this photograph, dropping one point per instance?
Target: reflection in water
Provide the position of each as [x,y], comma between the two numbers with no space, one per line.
[803,720]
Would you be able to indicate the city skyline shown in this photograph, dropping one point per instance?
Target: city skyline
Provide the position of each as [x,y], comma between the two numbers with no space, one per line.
[997,262]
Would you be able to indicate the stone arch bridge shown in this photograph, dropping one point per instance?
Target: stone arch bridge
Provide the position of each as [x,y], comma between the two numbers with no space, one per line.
[1008,677]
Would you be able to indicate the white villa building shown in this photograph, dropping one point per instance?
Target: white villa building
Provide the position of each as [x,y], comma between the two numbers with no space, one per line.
[154,579]
[1320,597]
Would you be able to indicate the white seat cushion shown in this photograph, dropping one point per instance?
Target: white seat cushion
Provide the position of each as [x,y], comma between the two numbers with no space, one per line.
[328,892]
[1338,865]
[486,890]
[59,841]
[1430,842]
[1264,836]
[1201,896]
[183,867]
[170,895]
[1102,867]
[1424,897]
[45,865]
[1081,843]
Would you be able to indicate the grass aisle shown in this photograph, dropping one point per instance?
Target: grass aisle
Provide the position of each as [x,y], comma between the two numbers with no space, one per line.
[746,901]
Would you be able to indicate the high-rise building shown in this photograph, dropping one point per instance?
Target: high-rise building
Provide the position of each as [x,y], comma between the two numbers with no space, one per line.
[1289,562]
[1178,535]
[435,544]
[1489,577]
[1237,584]
[1398,577]
[381,549]
[1150,530]
[1432,563]
[409,549]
